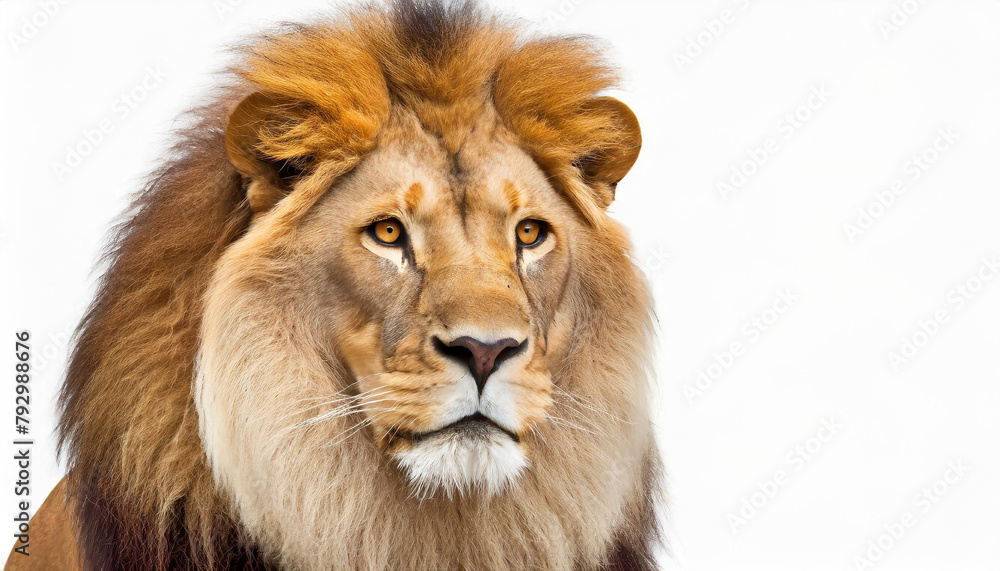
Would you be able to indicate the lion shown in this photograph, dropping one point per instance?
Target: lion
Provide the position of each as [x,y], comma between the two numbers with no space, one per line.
[372,313]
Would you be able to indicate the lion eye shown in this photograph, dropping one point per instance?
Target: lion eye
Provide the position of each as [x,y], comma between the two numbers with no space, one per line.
[389,231]
[531,232]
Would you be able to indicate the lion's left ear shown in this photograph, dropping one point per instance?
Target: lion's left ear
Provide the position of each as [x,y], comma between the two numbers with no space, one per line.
[269,178]
[609,164]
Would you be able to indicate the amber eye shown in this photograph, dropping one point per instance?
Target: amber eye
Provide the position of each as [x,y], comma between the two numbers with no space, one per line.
[531,232]
[389,231]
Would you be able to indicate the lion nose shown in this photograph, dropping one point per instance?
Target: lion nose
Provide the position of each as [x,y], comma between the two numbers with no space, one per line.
[481,358]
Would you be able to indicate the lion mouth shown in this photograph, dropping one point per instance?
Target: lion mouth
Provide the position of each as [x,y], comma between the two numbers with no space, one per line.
[476,424]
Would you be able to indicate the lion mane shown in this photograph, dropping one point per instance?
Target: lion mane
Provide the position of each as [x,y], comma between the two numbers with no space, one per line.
[140,486]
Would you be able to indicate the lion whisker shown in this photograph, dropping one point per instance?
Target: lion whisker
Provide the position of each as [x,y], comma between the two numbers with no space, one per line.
[579,401]
[339,400]
[339,412]
[340,395]
[568,424]
[350,432]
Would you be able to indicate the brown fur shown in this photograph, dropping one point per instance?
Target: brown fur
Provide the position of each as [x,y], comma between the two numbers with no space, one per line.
[334,92]
[52,541]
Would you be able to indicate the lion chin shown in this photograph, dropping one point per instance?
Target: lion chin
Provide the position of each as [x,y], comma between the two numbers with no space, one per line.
[473,454]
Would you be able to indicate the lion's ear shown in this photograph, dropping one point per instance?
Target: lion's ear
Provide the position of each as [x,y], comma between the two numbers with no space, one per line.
[269,178]
[609,164]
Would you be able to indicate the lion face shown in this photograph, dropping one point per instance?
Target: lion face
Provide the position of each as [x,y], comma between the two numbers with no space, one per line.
[451,273]
[437,283]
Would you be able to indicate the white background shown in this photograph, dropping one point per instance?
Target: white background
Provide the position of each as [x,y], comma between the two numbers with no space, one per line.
[713,84]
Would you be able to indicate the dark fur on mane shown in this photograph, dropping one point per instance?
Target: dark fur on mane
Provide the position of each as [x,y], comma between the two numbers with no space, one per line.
[432,28]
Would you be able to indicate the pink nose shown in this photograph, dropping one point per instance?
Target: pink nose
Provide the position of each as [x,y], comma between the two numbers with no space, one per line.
[481,358]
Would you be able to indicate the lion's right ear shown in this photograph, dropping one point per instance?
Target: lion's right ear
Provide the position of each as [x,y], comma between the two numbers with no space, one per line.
[268,178]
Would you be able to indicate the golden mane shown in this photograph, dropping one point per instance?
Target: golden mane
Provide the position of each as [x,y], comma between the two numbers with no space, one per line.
[139,483]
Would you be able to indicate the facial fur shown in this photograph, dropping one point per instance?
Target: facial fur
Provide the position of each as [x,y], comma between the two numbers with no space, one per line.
[472,400]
